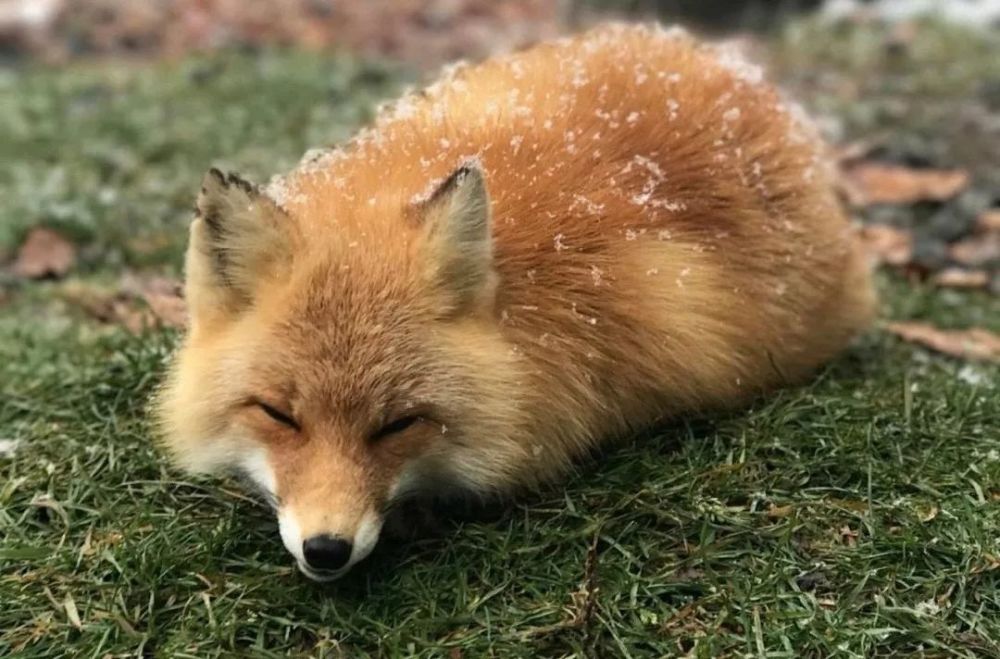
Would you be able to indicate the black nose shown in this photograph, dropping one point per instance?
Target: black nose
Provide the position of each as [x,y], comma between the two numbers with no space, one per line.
[325,552]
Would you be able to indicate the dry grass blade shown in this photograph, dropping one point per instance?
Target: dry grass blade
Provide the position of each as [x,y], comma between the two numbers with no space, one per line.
[72,612]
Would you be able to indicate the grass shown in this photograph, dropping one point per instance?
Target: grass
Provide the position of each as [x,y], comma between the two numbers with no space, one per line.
[856,516]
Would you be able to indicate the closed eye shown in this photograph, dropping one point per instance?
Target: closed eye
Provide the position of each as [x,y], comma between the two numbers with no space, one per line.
[278,415]
[393,427]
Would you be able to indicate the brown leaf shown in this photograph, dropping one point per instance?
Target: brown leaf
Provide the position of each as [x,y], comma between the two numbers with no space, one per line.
[977,250]
[989,220]
[164,296]
[44,253]
[881,183]
[848,536]
[138,304]
[106,307]
[887,244]
[961,278]
[978,344]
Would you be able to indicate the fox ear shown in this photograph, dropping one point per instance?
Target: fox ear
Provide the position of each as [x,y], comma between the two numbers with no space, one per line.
[238,236]
[457,220]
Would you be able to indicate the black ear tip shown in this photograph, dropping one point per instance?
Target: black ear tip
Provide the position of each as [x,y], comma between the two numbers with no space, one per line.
[470,171]
[470,167]
[215,177]
[235,179]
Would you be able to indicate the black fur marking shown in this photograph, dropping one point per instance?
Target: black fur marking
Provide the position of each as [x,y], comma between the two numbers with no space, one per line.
[217,175]
[213,222]
[451,183]
[243,184]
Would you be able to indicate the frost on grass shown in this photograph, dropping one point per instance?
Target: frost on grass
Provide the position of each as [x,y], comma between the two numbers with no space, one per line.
[8,447]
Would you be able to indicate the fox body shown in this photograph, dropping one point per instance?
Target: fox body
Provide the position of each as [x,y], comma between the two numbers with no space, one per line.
[534,254]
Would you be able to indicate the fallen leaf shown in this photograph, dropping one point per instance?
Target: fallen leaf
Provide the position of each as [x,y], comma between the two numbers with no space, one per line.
[869,183]
[107,307]
[852,152]
[989,220]
[165,299]
[979,249]
[887,244]
[975,343]
[138,304]
[929,514]
[44,253]
[960,278]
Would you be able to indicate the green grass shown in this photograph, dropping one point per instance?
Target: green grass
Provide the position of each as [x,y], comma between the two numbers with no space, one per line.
[857,516]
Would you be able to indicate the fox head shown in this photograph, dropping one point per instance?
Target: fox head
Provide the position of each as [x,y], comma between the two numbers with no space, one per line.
[341,357]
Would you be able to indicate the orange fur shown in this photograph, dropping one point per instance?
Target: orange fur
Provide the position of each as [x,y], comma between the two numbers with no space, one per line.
[640,228]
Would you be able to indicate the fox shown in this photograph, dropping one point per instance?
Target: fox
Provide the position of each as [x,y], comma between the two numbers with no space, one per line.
[529,259]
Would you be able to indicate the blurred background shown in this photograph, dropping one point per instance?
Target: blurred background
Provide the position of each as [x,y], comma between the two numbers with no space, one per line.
[854,516]
[112,109]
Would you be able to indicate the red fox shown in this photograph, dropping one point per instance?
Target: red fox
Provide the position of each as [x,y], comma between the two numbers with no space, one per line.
[535,254]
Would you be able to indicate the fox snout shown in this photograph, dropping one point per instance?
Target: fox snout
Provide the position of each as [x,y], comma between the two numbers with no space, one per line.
[327,547]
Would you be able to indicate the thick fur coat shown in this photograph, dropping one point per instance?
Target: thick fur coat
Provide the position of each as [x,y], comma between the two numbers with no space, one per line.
[535,254]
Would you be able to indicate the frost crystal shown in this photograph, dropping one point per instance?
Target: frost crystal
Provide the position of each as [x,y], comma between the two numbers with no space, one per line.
[672,107]
[733,60]
[8,447]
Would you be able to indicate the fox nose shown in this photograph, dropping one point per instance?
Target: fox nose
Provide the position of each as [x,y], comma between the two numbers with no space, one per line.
[326,552]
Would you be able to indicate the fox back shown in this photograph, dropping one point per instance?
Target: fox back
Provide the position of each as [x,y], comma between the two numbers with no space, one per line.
[534,254]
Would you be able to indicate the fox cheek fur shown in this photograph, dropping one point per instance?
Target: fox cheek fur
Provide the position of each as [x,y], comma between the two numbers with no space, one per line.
[334,412]
[538,253]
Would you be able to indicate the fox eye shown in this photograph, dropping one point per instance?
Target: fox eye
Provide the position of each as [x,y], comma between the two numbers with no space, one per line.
[396,426]
[278,416]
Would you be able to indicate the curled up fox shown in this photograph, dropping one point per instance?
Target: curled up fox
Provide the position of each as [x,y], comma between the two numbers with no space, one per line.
[534,255]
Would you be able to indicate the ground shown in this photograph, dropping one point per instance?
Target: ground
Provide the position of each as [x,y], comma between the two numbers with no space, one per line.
[855,516]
